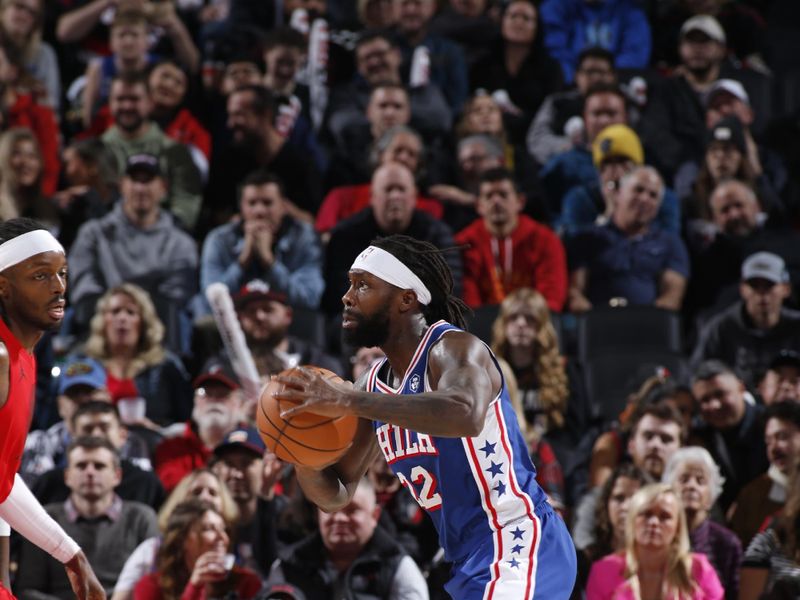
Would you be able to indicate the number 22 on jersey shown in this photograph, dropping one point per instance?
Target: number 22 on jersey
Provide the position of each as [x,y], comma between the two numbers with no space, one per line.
[428,498]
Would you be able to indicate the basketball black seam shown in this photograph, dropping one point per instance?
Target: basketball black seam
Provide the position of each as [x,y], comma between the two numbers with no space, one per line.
[290,438]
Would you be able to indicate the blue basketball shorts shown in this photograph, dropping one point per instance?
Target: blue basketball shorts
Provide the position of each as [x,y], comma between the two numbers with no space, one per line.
[524,560]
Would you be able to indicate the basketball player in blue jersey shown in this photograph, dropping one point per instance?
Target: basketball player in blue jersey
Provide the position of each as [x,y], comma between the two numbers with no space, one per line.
[438,410]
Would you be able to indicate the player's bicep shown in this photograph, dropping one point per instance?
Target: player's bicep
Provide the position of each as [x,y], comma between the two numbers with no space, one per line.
[461,364]
[4,362]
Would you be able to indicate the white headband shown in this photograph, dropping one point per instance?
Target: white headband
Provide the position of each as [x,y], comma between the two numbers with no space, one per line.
[22,247]
[385,265]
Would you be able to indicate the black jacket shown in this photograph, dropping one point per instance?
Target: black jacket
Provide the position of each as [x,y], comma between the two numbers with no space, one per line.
[732,338]
[368,578]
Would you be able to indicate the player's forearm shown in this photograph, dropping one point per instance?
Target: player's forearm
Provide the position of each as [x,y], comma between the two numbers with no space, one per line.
[441,413]
[5,578]
[324,488]
[22,511]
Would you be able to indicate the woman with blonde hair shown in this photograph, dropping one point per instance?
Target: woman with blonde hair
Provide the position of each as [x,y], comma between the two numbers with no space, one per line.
[657,561]
[126,336]
[202,484]
[523,335]
[21,172]
[525,343]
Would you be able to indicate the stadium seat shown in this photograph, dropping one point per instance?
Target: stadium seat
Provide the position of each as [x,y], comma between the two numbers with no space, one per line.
[612,376]
[631,328]
[480,323]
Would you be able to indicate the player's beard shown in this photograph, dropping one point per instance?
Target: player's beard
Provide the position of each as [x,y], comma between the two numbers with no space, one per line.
[371,331]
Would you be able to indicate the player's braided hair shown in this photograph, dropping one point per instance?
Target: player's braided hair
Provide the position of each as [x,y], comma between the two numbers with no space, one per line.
[428,263]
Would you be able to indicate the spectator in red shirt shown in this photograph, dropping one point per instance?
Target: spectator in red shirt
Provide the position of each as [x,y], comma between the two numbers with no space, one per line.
[507,250]
[217,409]
[20,108]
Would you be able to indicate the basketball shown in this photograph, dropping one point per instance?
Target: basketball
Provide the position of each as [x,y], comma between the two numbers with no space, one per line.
[304,439]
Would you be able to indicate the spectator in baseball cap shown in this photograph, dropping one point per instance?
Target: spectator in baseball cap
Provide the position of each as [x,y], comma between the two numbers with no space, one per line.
[266,318]
[81,379]
[251,474]
[729,98]
[217,409]
[675,117]
[750,333]
[781,382]
[616,151]
[727,157]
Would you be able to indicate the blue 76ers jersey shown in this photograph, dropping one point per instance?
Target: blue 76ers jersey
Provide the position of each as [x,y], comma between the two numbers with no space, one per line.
[478,490]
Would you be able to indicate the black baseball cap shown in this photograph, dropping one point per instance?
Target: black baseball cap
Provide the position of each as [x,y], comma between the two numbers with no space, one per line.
[785,358]
[728,130]
[242,437]
[257,290]
[143,163]
[217,370]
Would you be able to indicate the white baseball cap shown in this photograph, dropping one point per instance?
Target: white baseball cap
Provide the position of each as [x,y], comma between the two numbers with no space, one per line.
[707,24]
[765,265]
[729,86]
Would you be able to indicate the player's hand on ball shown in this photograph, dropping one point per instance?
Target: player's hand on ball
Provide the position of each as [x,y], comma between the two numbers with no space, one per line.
[312,393]
[317,430]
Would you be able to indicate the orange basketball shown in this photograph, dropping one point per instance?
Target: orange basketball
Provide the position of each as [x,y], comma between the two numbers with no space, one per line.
[304,439]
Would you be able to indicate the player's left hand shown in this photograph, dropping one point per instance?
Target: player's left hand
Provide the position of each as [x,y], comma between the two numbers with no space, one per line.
[82,579]
[313,393]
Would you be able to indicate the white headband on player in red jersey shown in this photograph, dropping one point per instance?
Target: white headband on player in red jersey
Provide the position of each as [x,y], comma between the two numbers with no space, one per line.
[388,267]
[22,247]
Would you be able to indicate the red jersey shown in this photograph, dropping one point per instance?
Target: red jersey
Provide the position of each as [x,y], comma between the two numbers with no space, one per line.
[15,415]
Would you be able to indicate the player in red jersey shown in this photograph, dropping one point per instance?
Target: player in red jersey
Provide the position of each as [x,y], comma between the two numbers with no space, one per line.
[33,281]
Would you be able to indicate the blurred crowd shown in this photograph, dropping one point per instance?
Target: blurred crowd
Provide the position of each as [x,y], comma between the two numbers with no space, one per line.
[615,185]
